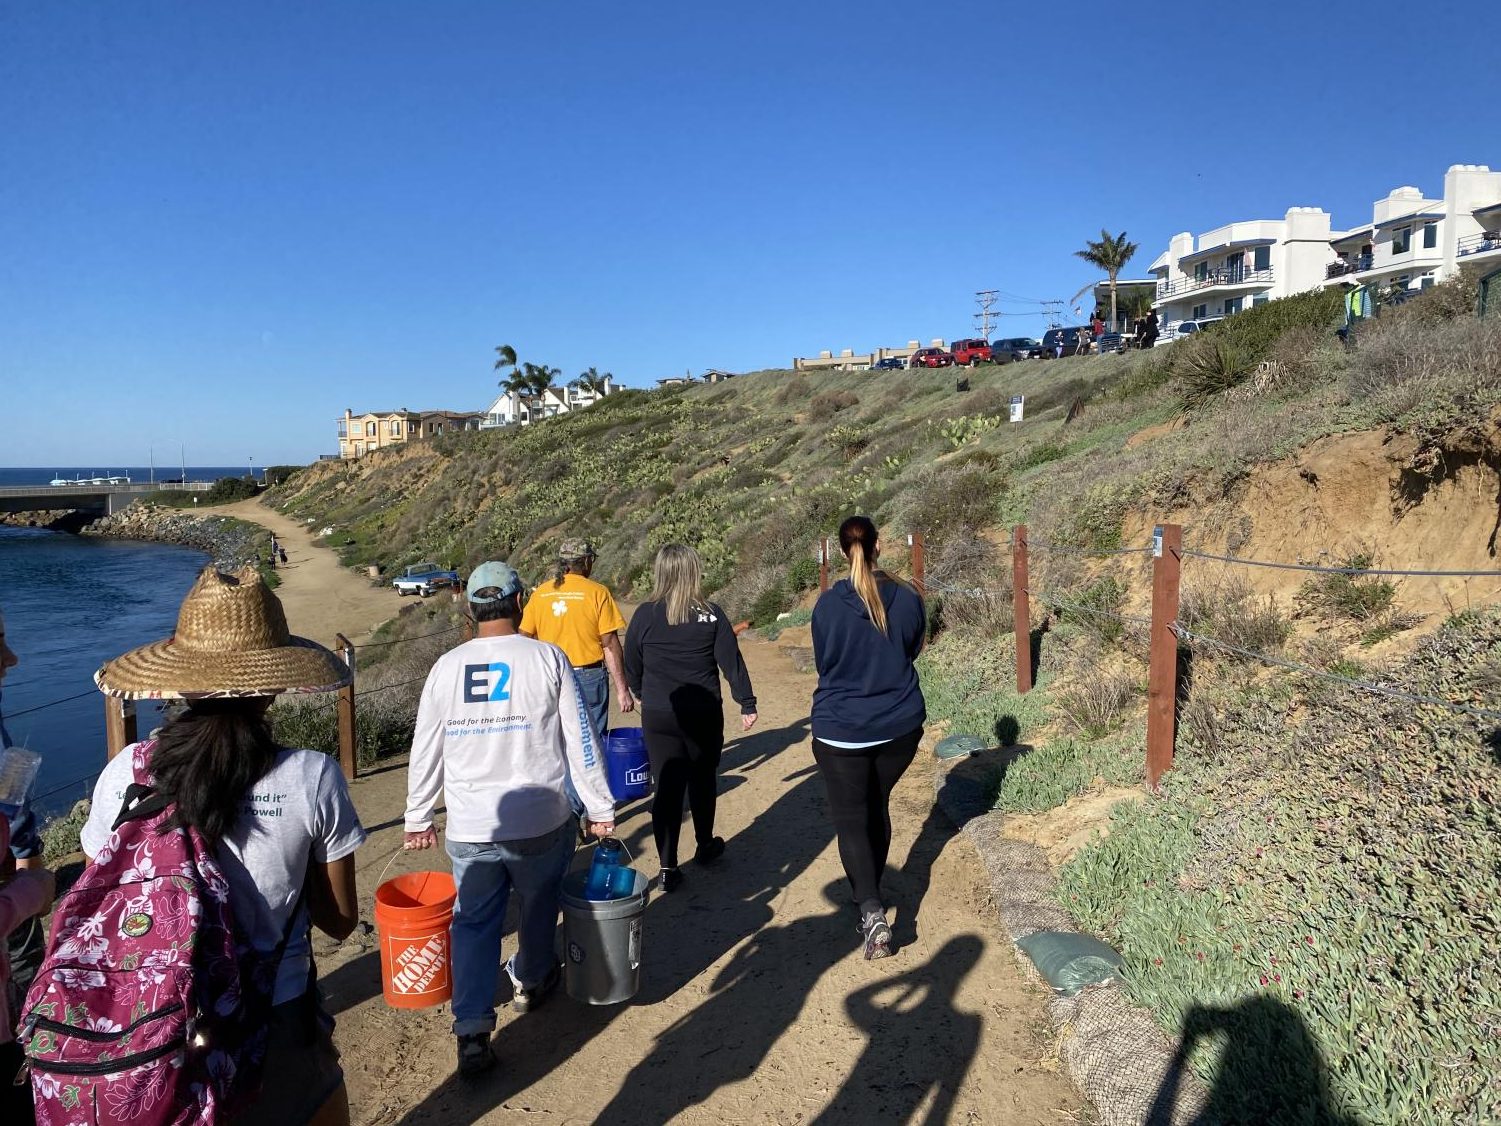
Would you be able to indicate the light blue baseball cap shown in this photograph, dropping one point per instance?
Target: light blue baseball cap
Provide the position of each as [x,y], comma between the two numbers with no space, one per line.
[492,581]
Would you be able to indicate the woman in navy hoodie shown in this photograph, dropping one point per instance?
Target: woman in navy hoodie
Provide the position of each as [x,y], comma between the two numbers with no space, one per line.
[868,712]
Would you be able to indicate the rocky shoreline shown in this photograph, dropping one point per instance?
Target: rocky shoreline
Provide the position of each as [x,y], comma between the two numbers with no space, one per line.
[232,543]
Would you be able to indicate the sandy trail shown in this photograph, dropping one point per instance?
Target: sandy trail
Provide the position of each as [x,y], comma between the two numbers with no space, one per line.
[755,1004]
[322,597]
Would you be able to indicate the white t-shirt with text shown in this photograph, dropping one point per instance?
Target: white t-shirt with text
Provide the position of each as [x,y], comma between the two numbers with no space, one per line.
[299,812]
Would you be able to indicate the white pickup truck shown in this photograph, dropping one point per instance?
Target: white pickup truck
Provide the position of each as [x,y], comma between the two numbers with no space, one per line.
[423,579]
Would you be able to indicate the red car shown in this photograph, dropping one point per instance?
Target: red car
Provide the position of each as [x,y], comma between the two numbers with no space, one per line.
[931,358]
[971,352]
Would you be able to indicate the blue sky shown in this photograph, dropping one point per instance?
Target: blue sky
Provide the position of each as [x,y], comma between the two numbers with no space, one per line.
[224,223]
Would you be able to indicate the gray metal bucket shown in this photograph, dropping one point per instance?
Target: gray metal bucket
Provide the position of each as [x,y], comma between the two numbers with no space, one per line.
[602,942]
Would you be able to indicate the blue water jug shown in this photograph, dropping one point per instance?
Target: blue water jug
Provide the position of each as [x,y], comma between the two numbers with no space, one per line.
[609,859]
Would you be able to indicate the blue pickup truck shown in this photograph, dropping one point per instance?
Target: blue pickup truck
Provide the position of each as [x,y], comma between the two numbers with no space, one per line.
[422,579]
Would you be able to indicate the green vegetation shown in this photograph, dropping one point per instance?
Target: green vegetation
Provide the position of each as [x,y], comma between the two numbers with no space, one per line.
[1334,851]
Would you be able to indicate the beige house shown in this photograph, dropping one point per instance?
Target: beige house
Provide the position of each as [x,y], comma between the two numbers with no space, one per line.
[361,434]
[850,360]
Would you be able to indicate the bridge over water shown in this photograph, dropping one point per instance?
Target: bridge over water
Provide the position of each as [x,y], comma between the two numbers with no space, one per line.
[84,497]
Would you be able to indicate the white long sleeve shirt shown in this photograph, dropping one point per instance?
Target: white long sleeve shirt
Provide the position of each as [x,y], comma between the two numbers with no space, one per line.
[500,725]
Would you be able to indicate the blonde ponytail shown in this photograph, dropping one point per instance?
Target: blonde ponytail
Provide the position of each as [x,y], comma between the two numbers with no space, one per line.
[863,579]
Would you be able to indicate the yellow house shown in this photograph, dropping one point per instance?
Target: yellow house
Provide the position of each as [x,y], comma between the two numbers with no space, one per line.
[361,434]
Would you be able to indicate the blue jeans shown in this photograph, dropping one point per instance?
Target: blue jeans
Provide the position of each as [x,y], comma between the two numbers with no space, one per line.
[485,875]
[594,687]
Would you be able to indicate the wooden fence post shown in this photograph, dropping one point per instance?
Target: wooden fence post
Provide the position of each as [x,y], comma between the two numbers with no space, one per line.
[823,564]
[915,542]
[1021,609]
[1162,683]
[348,758]
[119,724]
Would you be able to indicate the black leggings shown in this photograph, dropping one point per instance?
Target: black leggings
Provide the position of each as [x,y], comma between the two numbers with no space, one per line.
[684,752]
[859,783]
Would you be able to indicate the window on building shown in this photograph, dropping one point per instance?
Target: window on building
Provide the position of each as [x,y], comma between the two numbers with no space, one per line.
[1263,258]
[1426,282]
[359,449]
[1259,299]
[1430,236]
[396,428]
[370,430]
[1232,305]
[1201,271]
[343,429]
[1200,312]
[1401,240]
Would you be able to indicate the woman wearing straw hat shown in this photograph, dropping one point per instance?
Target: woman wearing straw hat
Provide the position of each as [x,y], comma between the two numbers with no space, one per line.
[280,819]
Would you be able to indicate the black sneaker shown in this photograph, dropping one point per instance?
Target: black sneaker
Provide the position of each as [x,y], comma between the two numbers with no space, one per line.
[877,932]
[670,880]
[525,1000]
[710,852]
[475,1056]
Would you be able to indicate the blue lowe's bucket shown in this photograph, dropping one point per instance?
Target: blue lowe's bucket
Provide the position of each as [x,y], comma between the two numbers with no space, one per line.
[626,764]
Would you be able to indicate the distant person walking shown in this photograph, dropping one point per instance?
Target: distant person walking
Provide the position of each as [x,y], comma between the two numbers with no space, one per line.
[868,712]
[1149,329]
[579,616]
[500,730]
[677,645]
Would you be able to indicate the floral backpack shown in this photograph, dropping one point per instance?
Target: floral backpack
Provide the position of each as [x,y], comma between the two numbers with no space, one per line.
[149,1008]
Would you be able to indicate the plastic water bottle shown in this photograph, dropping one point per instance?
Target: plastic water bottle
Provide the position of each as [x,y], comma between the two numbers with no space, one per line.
[608,859]
[18,770]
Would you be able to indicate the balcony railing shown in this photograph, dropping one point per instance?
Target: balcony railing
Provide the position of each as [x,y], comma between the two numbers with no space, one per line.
[1479,244]
[1348,266]
[1230,275]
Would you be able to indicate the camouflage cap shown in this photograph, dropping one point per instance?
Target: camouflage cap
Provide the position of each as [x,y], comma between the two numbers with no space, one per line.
[576,549]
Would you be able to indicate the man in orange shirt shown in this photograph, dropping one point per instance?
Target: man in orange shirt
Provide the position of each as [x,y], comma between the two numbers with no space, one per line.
[580,617]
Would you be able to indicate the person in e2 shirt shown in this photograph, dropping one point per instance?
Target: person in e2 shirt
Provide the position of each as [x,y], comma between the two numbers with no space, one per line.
[501,728]
[868,712]
[675,648]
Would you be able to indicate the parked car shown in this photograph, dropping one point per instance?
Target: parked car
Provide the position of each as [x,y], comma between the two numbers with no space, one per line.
[931,358]
[971,352]
[1184,329]
[423,579]
[1013,348]
[1110,342]
[891,363]
[1068,337]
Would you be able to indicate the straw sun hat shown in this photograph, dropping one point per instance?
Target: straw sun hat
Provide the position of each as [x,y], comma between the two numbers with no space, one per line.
[231,640]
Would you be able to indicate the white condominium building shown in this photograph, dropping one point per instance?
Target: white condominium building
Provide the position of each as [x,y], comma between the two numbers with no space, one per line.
[1413,242]
[1241,264]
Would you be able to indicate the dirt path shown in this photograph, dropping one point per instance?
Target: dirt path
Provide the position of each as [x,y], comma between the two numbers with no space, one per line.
[322,597]
[755,1005]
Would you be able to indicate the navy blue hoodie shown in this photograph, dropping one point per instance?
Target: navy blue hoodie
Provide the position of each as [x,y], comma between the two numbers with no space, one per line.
[867,688]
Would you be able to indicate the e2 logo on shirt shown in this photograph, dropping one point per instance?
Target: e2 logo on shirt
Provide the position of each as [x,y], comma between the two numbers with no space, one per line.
[479,689]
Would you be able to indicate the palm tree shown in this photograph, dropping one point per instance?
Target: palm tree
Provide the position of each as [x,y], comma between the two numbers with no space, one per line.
[540,378]
[594,383]
[505,357]
[517,384]
[1110,255]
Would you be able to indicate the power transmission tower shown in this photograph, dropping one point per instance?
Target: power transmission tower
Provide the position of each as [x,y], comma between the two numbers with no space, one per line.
[986,299]
[1053,310]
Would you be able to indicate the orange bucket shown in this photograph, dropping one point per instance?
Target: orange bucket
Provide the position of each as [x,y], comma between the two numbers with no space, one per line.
[412,915]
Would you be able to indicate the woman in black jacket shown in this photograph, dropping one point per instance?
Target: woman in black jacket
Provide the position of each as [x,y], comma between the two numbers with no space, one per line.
[675,647]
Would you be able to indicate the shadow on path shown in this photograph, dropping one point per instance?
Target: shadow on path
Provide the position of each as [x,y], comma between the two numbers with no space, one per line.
[1271,1069]
[919,1047]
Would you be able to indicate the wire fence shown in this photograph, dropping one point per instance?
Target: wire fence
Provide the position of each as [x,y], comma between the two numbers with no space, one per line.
[1319,569]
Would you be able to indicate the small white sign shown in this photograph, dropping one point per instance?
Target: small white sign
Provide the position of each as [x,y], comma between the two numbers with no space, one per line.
[1018,404]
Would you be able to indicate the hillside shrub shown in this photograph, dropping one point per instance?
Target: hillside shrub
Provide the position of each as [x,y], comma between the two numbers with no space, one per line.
[1229,610]
[795,390]
[1359,598]
[1095,704]
[827,404]
[941,499]
[1209,365]
[1096,608]
[228,489]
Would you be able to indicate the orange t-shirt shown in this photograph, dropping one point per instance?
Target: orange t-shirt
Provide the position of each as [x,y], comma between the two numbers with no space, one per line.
[573,616]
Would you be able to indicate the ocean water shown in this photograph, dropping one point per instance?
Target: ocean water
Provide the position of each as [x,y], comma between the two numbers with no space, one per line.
[70,603]
[138,474]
